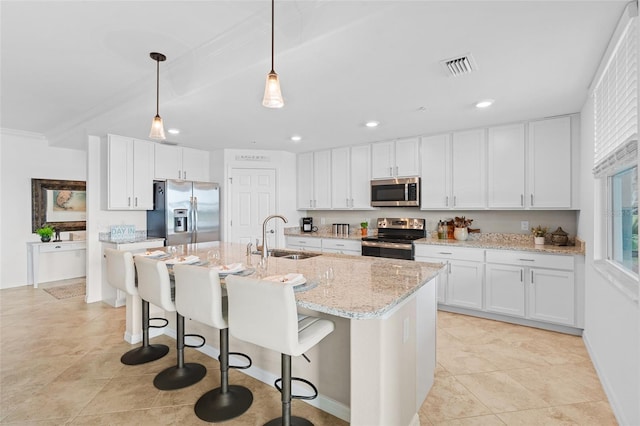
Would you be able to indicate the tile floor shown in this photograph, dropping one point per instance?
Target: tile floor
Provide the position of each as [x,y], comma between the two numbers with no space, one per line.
[59,364]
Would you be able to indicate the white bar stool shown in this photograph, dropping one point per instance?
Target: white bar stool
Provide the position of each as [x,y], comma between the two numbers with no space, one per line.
[264,313]
[121,275]
[154,285]
[199,297]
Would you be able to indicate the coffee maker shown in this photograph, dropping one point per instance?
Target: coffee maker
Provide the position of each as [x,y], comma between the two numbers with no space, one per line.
[307,224]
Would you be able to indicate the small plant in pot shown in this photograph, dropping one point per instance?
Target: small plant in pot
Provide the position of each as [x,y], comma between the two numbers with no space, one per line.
[363,228]
[45,233]
[538,234]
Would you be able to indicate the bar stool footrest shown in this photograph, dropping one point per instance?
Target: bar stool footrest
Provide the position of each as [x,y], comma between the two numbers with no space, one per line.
[298,379]
[166,322]
[198,337]
[240,367]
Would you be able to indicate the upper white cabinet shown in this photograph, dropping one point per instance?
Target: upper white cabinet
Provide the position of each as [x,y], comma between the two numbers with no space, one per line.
[314,180]
[173,162]
[398,158]
[129,174]
[506,166]
[549,164]
[454,171]
[350,177]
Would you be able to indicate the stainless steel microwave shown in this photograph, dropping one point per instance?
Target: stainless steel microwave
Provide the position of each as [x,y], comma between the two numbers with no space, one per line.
[399,192]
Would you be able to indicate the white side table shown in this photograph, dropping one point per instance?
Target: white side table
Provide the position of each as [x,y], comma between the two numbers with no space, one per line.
[35,248]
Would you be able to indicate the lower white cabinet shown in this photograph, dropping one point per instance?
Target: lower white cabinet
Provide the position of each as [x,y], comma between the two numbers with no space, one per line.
[325,245]
[534,286]
[462,283]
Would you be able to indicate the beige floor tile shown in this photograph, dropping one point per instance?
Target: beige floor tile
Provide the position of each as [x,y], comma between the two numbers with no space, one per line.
[490,420]
[585,414]
[123,394]
[449,399]
[153,416]
[499,392]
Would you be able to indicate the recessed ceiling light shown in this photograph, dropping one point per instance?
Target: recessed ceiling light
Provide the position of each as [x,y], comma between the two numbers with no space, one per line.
[485,103]
[174,131]
[372,123]
[296,138]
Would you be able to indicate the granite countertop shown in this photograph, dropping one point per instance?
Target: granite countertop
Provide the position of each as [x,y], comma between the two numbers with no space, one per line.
[107,239]
[503,242]
[362,287]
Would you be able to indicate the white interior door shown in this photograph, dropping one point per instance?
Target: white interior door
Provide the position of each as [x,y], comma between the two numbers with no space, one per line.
[253,198]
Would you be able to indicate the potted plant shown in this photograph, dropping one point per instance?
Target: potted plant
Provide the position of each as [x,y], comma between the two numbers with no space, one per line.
[538,234]
[363,228]
[45,233]
[461,231]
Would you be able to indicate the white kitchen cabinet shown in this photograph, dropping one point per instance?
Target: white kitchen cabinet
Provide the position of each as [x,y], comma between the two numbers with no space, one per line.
[454,171]
[462,283]
[505,289]
[399,158]
[468,182]
[552,296]
[436,172]
[129,174]
[314,180]
[174,162]
[342,246]
[506,167]
[544,284]
[350,178]
[304,243]
[549,164]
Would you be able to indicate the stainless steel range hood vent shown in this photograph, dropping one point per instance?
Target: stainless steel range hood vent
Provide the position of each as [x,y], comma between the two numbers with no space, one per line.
[459,65]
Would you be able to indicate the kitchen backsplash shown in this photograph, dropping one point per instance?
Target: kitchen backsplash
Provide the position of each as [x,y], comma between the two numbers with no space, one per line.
[488,221]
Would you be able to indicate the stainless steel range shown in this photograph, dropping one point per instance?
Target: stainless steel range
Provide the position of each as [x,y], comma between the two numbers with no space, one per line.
[395,238]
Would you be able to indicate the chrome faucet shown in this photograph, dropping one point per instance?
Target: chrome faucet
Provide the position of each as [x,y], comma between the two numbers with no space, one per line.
[265,252]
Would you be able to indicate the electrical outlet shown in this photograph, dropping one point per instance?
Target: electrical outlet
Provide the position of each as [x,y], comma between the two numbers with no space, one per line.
[524,225]
[322,221]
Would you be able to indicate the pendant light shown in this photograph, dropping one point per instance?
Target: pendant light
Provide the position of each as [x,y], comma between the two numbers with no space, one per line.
[157,127]
[272,94]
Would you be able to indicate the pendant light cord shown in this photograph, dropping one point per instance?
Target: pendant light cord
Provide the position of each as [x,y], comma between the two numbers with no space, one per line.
[157,87]
[272,32]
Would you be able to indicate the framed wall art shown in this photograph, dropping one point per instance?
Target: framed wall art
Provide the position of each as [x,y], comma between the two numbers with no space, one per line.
[61,204]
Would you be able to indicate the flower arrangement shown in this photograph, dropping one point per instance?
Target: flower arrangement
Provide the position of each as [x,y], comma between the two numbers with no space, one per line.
[462,222]
[539,231]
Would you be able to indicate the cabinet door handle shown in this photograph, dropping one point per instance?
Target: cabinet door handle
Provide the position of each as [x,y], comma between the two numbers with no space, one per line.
[527,260]
[454,201]
[339,245]
[447,200]
[397,171]
[522,200]
[532,277]
[184,174]
[179,174]
[135,202]
[352,202]
[390,171]
[532,199]
[128,201]
[521,275]
[444,252]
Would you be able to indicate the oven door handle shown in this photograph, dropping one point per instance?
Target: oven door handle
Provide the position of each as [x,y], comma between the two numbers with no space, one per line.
[382,244]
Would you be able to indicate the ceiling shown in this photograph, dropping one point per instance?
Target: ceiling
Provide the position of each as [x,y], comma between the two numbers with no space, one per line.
[72,68]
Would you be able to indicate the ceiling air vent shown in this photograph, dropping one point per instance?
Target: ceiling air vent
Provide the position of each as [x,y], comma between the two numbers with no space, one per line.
[459,65]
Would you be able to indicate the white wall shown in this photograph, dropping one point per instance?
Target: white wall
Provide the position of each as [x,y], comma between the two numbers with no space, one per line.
[24,156]
[612,319]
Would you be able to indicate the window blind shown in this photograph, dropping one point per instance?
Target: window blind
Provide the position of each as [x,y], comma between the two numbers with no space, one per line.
[616,105]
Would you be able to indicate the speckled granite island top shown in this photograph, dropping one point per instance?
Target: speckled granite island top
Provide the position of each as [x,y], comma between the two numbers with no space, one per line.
[361,288]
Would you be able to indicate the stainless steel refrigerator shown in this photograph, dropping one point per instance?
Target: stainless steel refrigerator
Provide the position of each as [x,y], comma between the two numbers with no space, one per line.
[184,212]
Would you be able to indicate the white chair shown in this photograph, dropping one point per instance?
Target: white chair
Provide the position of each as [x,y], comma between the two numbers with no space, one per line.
[154,285]
[199,297]
[264,313]
[121,275]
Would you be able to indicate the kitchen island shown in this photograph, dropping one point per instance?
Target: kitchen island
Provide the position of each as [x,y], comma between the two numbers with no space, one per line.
[377,367]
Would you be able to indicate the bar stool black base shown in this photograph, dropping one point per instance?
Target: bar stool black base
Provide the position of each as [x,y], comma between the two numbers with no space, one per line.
[215,406]
[295,421]
[177,378]
[144,354]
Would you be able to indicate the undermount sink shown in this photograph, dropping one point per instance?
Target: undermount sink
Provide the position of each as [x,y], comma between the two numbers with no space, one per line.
[292,255]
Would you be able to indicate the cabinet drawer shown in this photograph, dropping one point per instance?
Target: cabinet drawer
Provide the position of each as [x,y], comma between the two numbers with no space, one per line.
[341,244]
[448,252]
[64,246]
[523,258]
[304,242]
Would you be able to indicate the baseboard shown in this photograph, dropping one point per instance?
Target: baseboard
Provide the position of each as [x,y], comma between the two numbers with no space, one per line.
[322,402]
[415,421]
[606,385]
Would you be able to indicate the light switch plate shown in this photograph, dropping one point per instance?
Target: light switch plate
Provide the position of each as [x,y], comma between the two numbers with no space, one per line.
[524,225]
